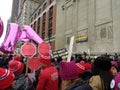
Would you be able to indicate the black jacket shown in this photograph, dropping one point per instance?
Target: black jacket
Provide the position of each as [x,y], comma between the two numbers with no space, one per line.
[23,83]
[79,85]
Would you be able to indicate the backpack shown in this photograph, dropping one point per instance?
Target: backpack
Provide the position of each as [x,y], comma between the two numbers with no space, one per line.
[23,83]
[79,85]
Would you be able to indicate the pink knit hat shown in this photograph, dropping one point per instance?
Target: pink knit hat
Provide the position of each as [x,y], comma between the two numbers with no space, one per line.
[15,66]
[114,63]
[115,84]
[6,78]
[68,70]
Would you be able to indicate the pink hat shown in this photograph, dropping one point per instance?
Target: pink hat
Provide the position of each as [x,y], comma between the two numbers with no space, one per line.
[114,63]
[45,58]
[115,84]
[68,70]
[15,66]
[6,78]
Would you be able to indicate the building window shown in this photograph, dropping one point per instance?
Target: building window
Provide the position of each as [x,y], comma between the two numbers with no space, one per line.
[43,25]
[50,33]
[43,35]
[103,33]
[38,29]
[35,15]
[44,6]
[44,17]
[51,1]
[51,12]
[43,30]
[31,19]
[35,26]
[68,40]
[32,26]
[39,11]
[50,22]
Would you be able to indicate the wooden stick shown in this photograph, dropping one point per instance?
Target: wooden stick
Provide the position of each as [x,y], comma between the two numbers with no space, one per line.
[26,72]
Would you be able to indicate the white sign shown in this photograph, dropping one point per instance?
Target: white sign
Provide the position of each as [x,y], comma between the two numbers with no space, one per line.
[70,49]
[89,52]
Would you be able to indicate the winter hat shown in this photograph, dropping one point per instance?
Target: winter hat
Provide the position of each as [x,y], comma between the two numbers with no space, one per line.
[115,83]
[82,62]
[114,63]
[45,58]
[88,66]
[68,70]
[6,78]
[15,66]
[102,63]
[18,58]
[80,67]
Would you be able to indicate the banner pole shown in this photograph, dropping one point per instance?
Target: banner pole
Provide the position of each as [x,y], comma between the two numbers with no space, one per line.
[26,71]
[70,49]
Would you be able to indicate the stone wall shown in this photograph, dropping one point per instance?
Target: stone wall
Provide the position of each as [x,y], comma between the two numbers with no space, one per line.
[99,19]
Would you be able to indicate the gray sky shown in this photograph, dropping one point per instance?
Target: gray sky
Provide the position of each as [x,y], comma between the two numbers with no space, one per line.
[5,12]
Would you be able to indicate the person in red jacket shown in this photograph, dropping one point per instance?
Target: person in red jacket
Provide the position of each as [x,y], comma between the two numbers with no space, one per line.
[48,77]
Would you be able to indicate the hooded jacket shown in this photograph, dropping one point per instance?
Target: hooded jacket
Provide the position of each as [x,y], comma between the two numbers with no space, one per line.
[48,79]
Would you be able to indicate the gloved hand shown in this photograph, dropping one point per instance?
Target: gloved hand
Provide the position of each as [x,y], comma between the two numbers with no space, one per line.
[31,76]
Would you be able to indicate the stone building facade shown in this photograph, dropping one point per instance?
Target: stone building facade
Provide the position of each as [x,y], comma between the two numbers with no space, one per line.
[25,9]
[14,12]
[99,20]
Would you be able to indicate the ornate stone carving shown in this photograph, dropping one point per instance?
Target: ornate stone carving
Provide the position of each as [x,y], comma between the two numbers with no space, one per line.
[104,32]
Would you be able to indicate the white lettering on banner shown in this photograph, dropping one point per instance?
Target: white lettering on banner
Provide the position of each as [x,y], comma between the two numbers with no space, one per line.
[80,66]
[54,76]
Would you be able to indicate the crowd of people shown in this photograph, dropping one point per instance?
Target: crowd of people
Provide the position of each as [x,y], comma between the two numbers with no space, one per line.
[81,73]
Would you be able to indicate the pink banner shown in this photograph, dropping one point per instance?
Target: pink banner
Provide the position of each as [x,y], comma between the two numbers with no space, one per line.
[1,27]
[32,35]
[11,38]
[14,34]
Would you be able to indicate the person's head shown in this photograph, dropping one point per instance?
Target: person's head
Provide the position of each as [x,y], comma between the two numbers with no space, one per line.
[17,58]
[78,58]
[10,56]
[6,78]
[114,67]
[81,67]
[101,63]
[68,70]
[53,61]
[16,66]
[45,59]
[72,58]
[59,59]
[101,67]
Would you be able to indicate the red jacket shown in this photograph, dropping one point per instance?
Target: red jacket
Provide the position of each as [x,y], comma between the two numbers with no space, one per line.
[48,79]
